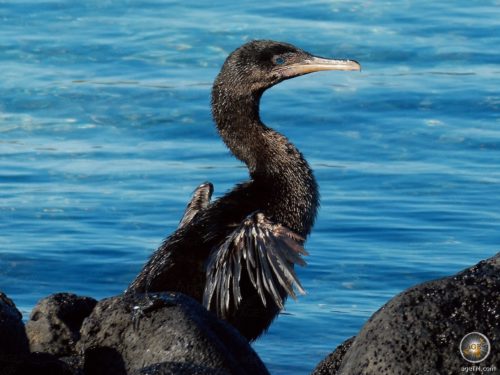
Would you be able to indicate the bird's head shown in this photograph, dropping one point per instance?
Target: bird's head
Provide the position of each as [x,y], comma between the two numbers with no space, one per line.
[260,64]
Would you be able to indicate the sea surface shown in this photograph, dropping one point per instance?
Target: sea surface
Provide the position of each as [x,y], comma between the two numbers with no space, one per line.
[105,130]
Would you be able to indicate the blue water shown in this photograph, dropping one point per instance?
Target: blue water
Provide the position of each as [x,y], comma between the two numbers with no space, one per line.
[105,130]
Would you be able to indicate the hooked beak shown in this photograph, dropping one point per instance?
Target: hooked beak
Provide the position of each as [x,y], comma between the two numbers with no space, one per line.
[316,64]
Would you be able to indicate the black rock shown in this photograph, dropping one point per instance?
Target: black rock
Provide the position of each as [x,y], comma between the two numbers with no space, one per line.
[175,368]
[55,322]
[15,356]
[74,363]
[420,330]
[333,361]
[169,331]
[36,364]
[13,340]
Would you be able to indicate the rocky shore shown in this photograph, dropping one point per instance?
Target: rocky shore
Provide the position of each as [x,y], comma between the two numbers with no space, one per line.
[417,332]
[420,330]
[164,333]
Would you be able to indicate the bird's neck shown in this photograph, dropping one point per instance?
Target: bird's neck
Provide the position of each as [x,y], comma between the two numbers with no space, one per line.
[274,162]
[238,122]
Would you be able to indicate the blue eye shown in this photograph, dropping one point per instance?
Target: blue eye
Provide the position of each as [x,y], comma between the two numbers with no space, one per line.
[279,61]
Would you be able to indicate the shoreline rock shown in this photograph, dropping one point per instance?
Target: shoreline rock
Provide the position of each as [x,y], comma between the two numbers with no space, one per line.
[419,331]
[13,343]
[127,334]
[155,334]
[333,361]
[55,322]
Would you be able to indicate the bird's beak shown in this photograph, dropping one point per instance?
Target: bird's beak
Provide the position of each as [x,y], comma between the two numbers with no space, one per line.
[316,64]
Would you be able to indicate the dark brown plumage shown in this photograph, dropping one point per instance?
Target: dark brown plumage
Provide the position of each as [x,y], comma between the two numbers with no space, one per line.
[236,255]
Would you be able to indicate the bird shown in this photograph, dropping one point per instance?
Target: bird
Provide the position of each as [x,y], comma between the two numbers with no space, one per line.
[237,254]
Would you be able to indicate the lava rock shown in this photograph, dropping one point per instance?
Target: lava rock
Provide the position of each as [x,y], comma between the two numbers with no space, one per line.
[175,368]
[420,330]
[15,356]
[55,322]
[134,333]
[74,363]
[333,361]
[13,340]
[36,363]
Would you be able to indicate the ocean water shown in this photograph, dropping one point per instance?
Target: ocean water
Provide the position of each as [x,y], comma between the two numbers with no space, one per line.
[105,130]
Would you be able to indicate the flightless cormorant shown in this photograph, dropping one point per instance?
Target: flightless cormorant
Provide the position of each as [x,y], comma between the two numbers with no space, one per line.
[236,254]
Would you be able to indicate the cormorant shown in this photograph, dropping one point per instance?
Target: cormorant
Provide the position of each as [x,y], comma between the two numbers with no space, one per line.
[236,255]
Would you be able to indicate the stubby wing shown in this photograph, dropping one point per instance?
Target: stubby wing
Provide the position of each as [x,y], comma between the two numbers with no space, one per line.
[199,201]
[264,250]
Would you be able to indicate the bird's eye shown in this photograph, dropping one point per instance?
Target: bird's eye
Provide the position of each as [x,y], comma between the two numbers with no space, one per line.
[279,61]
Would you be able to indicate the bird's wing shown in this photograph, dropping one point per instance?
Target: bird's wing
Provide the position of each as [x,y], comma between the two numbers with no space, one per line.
[199,201]
[264,250]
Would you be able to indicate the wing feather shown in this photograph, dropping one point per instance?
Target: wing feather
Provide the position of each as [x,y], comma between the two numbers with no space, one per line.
[264,251]
[199,201]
